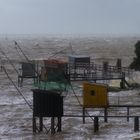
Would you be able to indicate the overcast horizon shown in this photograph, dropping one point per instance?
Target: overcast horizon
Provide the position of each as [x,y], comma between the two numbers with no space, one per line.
[95,17]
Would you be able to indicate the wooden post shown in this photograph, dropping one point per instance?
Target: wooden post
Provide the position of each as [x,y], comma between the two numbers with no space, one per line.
[105,115]
[34,124]
[128,114]
[119,65]
[96,124]
[59,124]
[105,68]
[122,84]
[136,124]
[52,125]
[83,115]
[40,123]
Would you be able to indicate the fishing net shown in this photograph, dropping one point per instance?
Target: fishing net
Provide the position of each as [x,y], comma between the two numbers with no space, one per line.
[53,79]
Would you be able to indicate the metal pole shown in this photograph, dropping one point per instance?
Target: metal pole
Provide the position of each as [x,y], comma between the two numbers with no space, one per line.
[136,124]
[128,114]
[59,124]
[52,126]
[41,123]
[34,124]
[105,115]
[96,124]
[83,115]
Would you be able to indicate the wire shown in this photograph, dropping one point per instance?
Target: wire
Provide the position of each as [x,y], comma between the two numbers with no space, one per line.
[79,101]
[26,57]
[3,53]
[66,78]
[30,106]
[5,71]
[61,51]
[16,44]
[18,52]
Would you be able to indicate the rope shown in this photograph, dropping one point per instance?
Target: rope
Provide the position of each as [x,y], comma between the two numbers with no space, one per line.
[5,71]
[61,51]
[16,44]
[26,57]
[18,52]
[3,53]
[48,58]
[79,101]
[30,106]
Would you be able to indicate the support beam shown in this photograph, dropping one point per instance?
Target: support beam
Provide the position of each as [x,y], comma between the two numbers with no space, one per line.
[59,124]
[136,124]
[83,115]
[96,124]
[52,125]
[40,124]
[34,124]
[105,115]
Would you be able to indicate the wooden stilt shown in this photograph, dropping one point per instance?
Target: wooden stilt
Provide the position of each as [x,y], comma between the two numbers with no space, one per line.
[83,115]
[105,115]
[34,125]
[40,123]
[52,126]
[96,124]
[128,114]
[136,124]
[59,124]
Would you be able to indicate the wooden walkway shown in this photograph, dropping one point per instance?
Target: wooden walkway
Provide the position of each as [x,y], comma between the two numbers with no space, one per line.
[93,72]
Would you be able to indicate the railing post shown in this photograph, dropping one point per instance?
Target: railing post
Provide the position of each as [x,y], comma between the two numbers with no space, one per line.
[136,124]
[119,65]
[105,115]
[41,123]
[52,125]
[128,114]
[59,124]
[122,84]
[105,68]
[34,124]
[83,115]
[96,124]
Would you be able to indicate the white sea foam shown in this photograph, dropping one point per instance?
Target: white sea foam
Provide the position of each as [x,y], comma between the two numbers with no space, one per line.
[16,116]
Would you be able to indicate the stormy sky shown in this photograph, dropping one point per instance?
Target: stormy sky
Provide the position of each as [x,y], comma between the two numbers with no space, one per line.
[70,17]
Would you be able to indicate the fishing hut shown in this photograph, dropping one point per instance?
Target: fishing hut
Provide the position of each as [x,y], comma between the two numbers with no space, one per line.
[94,96]
[78,64]
[27,70]
[80,68]
[47,99]
[53,78]
[54,75]
[78,60]
[57,74]
[47,103]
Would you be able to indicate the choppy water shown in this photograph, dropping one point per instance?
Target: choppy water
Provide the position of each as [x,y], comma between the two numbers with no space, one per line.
[16,116]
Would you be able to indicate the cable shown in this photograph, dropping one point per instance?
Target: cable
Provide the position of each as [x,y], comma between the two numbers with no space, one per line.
[66,78]
[26,57]
[16,87]
[30,106]
[79,101]
[18,52]
[62,51]
[5,71]
[3,53]
[16,44]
